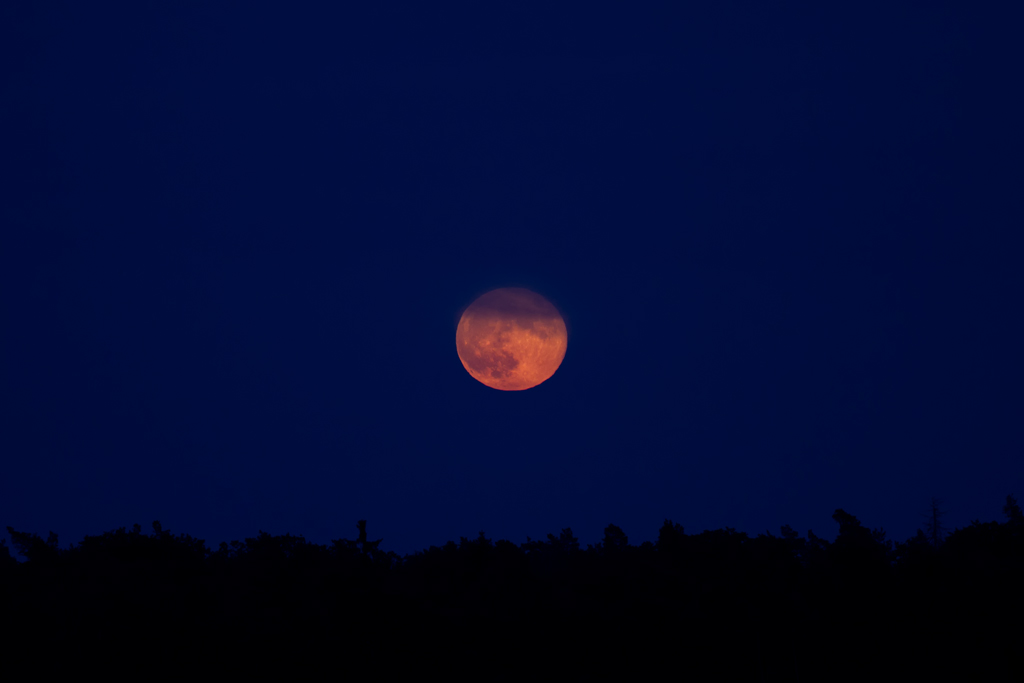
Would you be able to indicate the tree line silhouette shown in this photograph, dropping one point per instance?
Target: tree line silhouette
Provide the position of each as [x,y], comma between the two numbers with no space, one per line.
[781,602]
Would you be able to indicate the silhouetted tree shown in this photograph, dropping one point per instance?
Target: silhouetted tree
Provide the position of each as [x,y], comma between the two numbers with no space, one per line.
[815,549]
[564,543]
[34,548]
[933,526]
[914,551]
[6,559]
[367,547]
[1012,511]
[856,547]
[615,539]
[361,544]
[719,595]
[670,537]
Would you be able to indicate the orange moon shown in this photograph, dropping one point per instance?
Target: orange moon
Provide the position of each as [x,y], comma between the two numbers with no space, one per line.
[511,339]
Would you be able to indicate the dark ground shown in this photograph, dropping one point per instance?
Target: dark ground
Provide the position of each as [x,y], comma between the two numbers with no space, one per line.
[800,607]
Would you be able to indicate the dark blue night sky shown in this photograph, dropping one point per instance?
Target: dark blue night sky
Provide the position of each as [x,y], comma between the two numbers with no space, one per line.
[235,240]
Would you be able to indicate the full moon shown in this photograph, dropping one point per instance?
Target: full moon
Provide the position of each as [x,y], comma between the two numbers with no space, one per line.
[511,339]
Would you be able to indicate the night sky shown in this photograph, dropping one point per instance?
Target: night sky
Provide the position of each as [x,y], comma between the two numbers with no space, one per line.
[236,239]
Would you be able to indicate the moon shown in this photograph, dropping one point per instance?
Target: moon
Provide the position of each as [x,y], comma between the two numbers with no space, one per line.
[511,339]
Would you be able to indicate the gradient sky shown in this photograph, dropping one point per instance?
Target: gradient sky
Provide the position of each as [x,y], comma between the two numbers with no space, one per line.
[235,239]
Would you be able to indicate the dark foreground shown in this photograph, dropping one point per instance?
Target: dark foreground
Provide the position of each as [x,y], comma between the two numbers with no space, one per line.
[718,602]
